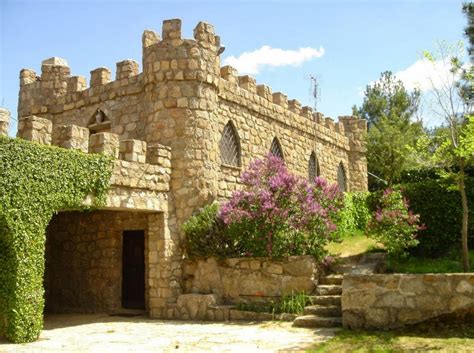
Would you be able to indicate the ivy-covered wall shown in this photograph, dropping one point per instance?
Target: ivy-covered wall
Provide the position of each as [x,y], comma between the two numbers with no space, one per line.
[36,181]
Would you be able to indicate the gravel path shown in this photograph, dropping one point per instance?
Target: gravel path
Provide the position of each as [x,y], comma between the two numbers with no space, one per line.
[104,334]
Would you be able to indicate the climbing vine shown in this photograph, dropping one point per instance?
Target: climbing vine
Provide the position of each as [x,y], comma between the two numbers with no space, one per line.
[37,181]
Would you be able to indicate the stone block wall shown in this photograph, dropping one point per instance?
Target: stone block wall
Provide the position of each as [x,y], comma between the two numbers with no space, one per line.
[84,259]
[391,301]
[251,279]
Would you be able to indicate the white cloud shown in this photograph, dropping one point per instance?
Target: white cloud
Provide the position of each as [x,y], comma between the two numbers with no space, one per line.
[253,62]
[425,75]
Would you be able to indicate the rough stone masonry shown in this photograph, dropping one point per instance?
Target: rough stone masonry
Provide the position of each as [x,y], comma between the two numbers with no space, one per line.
[182,131]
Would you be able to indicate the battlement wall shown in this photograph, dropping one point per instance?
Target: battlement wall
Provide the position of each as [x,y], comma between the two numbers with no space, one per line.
[141,173]
[244,91]
[259,116]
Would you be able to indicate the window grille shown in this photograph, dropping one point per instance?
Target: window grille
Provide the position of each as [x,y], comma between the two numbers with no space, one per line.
[230,146]
[275,149]
[341,177]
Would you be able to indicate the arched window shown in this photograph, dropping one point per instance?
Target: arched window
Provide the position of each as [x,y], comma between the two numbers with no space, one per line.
[313,167]
[230,146]
[341,177]
[275,149]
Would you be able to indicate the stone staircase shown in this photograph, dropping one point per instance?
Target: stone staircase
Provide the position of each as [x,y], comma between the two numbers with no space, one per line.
[326,308]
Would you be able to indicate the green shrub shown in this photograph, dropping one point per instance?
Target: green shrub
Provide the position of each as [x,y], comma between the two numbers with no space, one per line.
[36,181]
[440,211]
[393,224]
[207,235]
[355,214]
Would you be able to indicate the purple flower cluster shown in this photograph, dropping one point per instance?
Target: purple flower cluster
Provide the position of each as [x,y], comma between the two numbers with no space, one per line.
[394,224]
[286,214]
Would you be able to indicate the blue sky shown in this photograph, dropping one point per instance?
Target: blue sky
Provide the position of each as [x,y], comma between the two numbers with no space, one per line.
[350,42]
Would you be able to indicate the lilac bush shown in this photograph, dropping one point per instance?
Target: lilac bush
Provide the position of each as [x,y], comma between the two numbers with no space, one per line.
[280,214]
[393,224]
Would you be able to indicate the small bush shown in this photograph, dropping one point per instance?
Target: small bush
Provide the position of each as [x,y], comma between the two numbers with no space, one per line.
[207,235]
[355,214]
[393,224]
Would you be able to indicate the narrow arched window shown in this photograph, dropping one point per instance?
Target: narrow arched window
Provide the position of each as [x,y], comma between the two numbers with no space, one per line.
[275,149]
[341,177]
[313,167]
[230,146]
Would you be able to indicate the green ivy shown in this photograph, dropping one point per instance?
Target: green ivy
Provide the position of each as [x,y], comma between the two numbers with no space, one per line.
[37,181]
[355,214]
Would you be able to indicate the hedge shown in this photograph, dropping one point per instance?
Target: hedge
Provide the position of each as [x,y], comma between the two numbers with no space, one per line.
[440,210]
[36,181]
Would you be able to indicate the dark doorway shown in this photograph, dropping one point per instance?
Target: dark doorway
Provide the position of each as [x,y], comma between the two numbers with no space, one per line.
[133,269]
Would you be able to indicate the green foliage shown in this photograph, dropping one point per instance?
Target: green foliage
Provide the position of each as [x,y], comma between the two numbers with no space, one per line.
[36,182]
[392,137]
[468,9]
[388,97]
[456,151]
[424,337]
[294,303]
[207,235]
[393,224]
[355,213]
[417,264]
[440,210]
[289,304]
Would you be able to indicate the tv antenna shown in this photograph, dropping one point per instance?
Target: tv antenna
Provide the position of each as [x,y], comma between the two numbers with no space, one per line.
[314,91]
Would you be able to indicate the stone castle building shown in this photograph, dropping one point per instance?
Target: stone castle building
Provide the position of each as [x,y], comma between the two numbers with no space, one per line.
[182,130]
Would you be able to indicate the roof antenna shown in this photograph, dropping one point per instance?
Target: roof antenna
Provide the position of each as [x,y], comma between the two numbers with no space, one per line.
[314,92]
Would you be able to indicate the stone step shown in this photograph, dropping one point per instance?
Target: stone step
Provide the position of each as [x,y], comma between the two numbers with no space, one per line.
[323,311]
[331,279]
[326,300]
[317,321]
[328,289]
[343,268]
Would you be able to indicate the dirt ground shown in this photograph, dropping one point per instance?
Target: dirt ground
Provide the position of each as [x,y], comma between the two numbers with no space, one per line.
[103,334]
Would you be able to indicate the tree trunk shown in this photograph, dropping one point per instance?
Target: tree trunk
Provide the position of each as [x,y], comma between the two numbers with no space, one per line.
[462,190]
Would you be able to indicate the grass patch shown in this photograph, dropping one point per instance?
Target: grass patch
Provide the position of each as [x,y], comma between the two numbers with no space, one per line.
[351,244]
[449,264]
[422,337]
[290,304]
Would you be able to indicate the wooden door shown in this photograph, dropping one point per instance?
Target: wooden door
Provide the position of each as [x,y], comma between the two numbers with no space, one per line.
[133,269]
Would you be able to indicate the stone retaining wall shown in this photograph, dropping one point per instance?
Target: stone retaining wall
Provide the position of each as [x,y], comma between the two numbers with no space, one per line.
[390,301]
[251,279]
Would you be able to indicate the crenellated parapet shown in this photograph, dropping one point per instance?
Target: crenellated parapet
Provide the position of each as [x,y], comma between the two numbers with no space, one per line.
[140,172]
[172,58]
[245,92]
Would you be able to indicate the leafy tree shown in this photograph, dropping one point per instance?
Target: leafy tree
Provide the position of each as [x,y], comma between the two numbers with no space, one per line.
[455,151]
[388,98]
[468,9]
[391,140]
